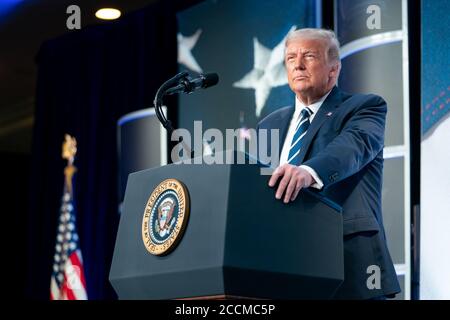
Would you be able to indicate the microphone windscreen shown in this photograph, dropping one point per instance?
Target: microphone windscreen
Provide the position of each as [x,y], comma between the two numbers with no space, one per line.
[210,79]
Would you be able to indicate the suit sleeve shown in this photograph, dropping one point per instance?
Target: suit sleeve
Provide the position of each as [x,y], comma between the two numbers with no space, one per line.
[358,143]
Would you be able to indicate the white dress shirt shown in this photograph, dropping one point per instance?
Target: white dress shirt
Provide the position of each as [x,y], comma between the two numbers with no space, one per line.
[299,106]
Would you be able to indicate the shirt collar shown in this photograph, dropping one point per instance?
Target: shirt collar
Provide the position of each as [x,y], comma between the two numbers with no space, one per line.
[299,106]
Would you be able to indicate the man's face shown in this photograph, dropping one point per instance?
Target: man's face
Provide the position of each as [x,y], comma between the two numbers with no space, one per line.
[309,73]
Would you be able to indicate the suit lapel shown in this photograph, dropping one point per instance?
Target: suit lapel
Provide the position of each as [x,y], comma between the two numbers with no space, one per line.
[283,124]
[330,103]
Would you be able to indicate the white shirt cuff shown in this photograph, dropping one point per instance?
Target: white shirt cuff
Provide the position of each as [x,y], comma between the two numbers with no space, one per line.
[319,183]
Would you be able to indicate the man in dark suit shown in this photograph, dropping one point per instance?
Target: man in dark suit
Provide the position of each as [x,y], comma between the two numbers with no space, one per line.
[333,143]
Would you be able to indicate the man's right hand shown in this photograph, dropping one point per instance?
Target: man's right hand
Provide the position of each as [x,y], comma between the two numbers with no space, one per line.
[293,180]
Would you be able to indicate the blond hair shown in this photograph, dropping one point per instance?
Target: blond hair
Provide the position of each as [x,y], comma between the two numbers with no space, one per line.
[316,33]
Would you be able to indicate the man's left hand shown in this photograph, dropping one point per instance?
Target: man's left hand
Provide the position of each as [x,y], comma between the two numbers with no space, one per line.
[293,180]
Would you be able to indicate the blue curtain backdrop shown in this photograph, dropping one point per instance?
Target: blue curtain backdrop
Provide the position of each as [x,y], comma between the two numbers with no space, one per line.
[87,80]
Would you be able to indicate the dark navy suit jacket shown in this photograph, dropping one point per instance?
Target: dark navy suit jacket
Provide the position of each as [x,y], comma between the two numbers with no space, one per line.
[344,145]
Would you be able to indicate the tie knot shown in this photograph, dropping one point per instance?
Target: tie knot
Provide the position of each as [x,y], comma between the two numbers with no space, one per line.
[306,113]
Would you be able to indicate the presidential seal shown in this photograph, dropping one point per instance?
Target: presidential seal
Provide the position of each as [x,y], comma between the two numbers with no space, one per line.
[165,217]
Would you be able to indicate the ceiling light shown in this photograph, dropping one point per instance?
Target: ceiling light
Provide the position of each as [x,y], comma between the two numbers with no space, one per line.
[108,13]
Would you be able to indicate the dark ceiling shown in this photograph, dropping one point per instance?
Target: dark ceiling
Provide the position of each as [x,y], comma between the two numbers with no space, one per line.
[24,25]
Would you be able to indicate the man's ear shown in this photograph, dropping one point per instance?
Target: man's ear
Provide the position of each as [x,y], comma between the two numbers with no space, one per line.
[334,72]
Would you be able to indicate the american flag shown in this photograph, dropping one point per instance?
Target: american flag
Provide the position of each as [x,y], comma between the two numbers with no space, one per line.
[67,281]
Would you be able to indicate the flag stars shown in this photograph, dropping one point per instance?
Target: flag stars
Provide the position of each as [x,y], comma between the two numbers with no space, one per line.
[66,197]
[185,46]
[268,72]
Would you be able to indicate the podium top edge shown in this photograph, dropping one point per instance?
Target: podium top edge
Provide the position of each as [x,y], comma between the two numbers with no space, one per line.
[138,114]
[323,199]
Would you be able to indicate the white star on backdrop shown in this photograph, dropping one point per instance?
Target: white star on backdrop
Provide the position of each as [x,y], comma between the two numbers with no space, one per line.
[268,72]
[185,46]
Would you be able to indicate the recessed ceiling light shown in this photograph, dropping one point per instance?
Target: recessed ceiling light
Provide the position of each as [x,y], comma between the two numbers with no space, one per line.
[108,13]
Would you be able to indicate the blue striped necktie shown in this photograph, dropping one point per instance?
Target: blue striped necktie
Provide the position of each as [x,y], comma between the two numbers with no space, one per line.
[298,139]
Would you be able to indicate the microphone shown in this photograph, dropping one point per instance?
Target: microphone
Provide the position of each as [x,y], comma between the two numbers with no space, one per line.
[187,85]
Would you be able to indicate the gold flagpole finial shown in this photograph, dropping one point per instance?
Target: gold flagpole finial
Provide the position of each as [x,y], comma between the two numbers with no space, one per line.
[69,150]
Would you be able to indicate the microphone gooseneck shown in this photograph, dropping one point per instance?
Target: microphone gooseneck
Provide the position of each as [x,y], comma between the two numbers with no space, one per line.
[180,83]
